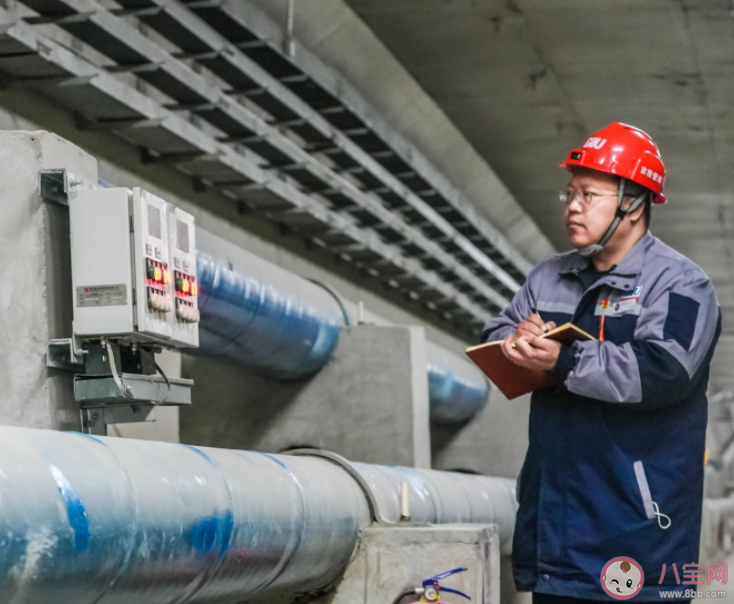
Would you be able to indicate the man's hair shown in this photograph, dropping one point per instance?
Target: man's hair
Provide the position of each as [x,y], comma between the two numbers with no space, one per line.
[633,188]
[647,212]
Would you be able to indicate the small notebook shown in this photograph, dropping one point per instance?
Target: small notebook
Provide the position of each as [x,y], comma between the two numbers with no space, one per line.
[511,379]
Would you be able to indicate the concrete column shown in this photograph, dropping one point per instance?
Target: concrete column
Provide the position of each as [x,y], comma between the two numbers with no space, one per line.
[493,443]
[35,273]
[369,403]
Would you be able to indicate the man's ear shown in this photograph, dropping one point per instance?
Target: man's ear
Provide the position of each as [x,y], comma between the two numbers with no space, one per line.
[637,214]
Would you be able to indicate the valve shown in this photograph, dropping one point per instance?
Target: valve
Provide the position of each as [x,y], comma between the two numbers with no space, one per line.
[431,589]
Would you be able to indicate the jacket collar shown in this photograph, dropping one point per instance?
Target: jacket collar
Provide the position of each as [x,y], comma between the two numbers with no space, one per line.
[630,266]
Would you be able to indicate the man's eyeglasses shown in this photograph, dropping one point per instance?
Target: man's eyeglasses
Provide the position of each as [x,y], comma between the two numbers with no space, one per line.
[586,198]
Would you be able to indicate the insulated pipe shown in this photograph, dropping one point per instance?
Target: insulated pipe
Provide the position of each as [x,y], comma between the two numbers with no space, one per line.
[265,317]
[114,521]
[457,390]
[286,327]
[445,497]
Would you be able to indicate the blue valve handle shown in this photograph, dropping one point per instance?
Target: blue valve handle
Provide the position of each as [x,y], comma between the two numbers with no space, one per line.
[454,591]
[433,581]
[448,573]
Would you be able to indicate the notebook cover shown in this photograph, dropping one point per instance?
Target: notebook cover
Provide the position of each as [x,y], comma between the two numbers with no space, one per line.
[511,379]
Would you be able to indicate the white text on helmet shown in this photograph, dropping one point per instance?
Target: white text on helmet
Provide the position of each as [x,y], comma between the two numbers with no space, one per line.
[652,174]
[595,142]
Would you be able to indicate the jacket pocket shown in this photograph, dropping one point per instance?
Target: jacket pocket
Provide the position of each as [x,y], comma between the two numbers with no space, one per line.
[651,507]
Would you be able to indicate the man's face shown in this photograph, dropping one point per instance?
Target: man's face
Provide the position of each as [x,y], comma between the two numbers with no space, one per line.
[587,223]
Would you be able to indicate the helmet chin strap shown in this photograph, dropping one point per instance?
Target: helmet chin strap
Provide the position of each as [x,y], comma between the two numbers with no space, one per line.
[595,248]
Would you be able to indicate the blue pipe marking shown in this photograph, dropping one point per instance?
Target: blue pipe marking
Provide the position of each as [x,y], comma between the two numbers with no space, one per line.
[511,496]
[94,438]
[74,509]
[213,532]
[276,460]
[200,452]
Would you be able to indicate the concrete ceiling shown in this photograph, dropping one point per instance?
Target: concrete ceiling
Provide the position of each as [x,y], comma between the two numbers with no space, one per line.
[526,81]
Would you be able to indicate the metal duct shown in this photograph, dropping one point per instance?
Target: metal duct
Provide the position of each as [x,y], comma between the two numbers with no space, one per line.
[287,327]
[106,520]
[265,317]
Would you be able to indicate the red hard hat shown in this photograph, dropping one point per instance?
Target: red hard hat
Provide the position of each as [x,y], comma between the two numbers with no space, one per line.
[625,151]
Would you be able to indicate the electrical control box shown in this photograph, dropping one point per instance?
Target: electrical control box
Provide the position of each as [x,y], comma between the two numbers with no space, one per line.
[182,252]
[122,273]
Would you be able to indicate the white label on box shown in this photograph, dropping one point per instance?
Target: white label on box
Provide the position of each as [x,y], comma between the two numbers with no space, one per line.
[101,295]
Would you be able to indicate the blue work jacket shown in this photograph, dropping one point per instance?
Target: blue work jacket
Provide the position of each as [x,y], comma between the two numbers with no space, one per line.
[615,460]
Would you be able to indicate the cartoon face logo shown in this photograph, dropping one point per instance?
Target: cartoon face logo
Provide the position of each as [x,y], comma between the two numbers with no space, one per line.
[622,578]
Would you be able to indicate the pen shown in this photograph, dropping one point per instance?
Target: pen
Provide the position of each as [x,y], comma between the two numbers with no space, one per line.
[535,312]
[604,304]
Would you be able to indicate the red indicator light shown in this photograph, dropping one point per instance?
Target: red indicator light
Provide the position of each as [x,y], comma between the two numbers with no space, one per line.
[194,289]
[186,286]
[158,274]
[166,276]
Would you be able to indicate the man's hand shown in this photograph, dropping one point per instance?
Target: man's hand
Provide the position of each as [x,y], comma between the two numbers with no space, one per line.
[531,352]
[534,326]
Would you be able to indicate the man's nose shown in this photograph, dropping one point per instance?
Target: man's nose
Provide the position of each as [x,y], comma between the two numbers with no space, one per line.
[574,206]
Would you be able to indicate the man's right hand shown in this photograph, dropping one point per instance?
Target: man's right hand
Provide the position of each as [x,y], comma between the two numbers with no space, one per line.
[534,326]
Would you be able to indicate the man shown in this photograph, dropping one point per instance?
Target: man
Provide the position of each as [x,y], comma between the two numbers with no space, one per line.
[615,461]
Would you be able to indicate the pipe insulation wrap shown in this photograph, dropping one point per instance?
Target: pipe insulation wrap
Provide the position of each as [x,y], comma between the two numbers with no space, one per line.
[89,519]
[108,520]
[265,317]
[457,390]
[440,497]
[286,327]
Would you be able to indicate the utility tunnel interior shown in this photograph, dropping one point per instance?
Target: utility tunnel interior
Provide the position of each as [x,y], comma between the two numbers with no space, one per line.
[265,269]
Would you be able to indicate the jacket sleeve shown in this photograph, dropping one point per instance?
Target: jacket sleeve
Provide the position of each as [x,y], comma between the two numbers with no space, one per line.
[520,308]
[674,338]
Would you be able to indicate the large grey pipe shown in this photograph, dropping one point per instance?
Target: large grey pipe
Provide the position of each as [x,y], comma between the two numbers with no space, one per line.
[105,520]
[286,327]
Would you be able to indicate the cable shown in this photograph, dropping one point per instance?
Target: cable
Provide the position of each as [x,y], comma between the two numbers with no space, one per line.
[163,375]
[119,380]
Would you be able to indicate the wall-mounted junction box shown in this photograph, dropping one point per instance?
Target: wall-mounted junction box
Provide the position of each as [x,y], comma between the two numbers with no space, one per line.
[182,254]
[125,245]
